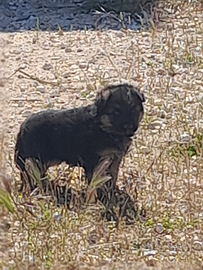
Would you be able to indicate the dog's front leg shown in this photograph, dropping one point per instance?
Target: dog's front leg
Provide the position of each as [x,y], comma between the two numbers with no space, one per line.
[112,197]
[106,191]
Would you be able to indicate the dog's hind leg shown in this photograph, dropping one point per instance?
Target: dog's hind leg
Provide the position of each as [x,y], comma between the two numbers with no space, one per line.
[33,175]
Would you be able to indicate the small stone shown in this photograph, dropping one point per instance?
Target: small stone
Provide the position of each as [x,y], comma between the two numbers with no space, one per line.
[26,113]
[55,40]
[1,83]
[60,32]
[168,237]
[168,115]
[6,55]
[31,258]
[54,94]
[47,66]
[22,88]
[150,252]
[158,102]
[15,51]
[175,67]
[20,103]
[68,50]
[159,228]
[189,99]
[18,99]
[55,82]
[200,97]
[82,65]
[145,150]
[196,238]
[154,125]
[57,217]
[41,88]
[33,99]
[182,239]
[55,58]
[63,46]
[16,223]
[161,114]
[66,75]
[185,137]
[172,253]
[93,238]
[198,49]
[198,245]
[23,66]
[152,112]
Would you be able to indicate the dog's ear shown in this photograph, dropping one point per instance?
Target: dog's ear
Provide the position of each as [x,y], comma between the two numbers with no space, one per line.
[130,91]
[103,95]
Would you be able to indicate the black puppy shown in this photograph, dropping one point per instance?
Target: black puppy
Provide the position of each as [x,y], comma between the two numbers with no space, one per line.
[82,136]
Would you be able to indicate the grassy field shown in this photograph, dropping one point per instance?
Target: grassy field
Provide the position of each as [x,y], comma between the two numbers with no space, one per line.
[163,171]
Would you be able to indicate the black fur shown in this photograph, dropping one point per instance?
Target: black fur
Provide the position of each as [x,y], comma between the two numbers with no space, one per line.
[83,136]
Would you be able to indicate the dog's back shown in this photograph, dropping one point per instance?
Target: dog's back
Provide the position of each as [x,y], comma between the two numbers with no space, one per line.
[52,135]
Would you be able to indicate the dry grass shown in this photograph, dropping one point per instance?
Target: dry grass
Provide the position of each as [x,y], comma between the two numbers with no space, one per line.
[163,169]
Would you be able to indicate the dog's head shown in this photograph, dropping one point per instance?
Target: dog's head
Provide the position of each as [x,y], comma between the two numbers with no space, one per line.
[120,109]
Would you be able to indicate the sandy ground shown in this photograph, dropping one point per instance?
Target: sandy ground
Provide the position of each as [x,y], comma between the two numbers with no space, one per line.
[65,69]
